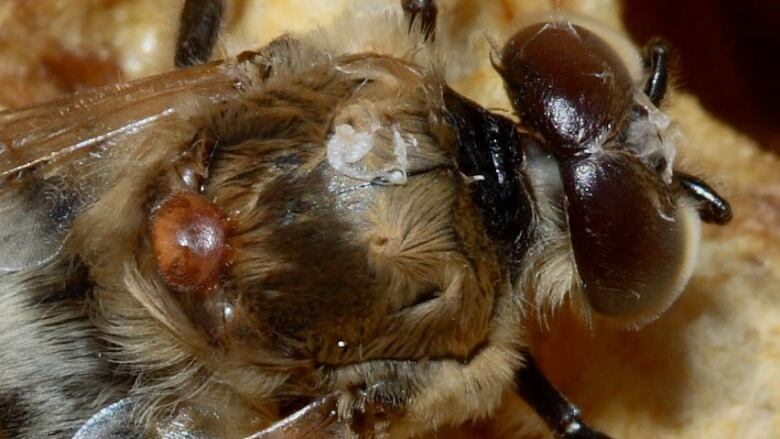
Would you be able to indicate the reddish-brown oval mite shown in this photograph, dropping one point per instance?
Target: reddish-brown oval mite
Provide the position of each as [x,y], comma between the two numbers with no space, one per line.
[188,240]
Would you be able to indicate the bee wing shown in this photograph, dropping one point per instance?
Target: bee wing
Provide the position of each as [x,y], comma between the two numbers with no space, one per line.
[317,419]
[120,421]
[113,421]
[57,158]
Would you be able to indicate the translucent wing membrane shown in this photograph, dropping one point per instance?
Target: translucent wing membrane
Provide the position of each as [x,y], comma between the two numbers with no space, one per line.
[114,421]
[45,133]
[56,159]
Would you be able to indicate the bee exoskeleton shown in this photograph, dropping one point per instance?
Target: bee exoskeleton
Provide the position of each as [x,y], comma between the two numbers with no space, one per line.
[566,83]
[634,247]
[188,240]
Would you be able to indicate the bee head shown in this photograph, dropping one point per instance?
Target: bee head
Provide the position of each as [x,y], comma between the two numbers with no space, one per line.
[633,236]
[631,220]
[566,84]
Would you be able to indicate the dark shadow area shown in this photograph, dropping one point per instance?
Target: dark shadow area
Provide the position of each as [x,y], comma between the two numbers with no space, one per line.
[726,53]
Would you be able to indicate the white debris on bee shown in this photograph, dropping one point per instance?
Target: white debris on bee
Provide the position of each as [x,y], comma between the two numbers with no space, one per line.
[362,155]
[347,146]
[399,149]
[653,136]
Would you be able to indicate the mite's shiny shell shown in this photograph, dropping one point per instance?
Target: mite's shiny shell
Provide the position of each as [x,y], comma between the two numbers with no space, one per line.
[188,240]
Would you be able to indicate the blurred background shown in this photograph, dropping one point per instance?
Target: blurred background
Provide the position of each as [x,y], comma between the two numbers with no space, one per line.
[726,53]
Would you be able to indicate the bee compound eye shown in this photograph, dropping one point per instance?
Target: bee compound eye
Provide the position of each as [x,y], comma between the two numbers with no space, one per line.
[188,241]
[566,83]
[634,248]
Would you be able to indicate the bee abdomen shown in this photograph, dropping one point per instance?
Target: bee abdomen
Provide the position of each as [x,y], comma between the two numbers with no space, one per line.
[51,375]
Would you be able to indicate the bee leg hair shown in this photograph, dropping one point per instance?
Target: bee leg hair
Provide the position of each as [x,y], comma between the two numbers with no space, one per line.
[427,10]
[657,61]
[558,413]
[198,30]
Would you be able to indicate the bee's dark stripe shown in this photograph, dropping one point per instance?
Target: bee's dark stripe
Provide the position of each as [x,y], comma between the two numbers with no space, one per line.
[13,415]
[491,149]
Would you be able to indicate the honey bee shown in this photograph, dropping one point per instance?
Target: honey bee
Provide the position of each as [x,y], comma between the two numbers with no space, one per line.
[314,240]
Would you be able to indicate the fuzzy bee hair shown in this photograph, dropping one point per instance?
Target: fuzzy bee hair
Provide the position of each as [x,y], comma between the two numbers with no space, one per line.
[97,322]
[381,241]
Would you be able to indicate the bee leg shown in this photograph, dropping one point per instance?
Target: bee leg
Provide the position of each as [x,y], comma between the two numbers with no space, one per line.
[193,167]
[198,30]
[279,52]
[657,60]
[712,207]
[376,405]
[427,10]
[558,413]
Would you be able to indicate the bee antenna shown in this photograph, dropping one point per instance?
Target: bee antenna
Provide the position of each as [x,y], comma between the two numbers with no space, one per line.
[713,208]
[657,61]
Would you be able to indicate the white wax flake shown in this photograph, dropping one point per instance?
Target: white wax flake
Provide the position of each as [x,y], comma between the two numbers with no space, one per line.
[363,155]
[352,145]
[573,427]
[653,135]
[347,147]
[399,149]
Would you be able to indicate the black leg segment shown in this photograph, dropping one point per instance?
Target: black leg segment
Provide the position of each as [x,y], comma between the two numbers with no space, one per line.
[427,10]
[657,60]
[712,208]
[198,30]
[561,416]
